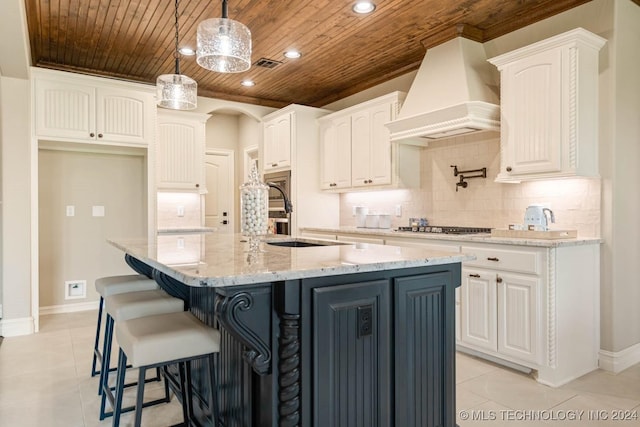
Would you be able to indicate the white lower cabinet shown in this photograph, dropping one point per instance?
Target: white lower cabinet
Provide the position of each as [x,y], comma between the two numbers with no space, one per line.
[535,307]
[500,313]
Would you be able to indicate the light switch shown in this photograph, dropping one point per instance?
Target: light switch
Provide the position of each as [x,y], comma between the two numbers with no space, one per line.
[71,210]
[180,210]
[97,210]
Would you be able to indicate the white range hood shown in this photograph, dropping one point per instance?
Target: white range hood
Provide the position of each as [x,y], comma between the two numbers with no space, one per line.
[454,92]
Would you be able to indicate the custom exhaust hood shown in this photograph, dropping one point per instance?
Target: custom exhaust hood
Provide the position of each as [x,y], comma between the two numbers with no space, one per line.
[454,92]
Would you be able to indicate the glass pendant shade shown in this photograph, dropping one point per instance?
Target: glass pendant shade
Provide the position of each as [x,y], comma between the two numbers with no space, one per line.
[177,92]
[224,45]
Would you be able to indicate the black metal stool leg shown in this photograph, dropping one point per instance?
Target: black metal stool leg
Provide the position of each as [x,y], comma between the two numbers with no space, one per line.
[122,371]
[106,353]
[184,391]
[96,343]
[140,395]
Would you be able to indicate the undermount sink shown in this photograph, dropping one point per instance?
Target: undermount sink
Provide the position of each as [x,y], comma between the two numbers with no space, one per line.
[300,243]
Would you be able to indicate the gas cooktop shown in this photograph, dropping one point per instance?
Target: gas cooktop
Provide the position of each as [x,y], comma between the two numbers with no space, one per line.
[445,229]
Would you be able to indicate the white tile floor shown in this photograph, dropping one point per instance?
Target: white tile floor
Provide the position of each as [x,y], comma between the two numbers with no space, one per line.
[45,382]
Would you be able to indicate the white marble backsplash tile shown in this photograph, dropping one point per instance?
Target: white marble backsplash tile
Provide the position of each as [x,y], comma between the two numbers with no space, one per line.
[168,205]
[484,203]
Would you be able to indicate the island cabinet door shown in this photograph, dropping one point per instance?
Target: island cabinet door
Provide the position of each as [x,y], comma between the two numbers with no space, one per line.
[351,356]
[424,350]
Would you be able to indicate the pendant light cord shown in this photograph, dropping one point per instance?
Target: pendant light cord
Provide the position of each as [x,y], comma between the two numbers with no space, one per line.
[176,53]
[224,9]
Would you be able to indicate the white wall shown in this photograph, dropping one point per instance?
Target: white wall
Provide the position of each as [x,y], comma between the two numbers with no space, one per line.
[1,198]
[16,206]
[76,247]
[235,131]
[623,325]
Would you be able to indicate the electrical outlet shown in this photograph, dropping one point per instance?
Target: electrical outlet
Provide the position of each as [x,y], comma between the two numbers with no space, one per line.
[71,210]
[180,210]
[365,320]
[398,210]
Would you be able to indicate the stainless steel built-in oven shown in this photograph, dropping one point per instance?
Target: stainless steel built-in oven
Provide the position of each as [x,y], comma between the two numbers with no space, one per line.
[278,218]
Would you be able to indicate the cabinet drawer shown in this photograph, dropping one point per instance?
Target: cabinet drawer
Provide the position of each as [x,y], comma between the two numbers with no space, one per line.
[523,261]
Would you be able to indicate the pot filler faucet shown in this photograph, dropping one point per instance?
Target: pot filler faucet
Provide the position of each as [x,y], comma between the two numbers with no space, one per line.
[288,207]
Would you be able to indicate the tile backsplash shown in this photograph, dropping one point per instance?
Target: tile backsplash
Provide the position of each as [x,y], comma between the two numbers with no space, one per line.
[170,203]
[484,203]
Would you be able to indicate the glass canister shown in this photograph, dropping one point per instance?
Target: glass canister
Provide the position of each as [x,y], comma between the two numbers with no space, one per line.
[254,206]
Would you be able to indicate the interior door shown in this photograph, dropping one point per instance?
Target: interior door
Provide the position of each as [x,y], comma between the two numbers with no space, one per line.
[218,211]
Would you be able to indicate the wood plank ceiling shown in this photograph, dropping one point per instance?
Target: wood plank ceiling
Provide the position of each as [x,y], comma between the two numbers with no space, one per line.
[342,53]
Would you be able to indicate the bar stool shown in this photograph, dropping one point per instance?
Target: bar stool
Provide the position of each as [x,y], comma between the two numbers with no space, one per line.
[159,341]
[112,285]
[127,306]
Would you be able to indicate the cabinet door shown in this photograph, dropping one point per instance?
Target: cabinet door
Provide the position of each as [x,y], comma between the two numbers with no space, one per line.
[519,303]
[371,147]
[361,148]
[124,115]
[351,355]
[380,161]
[180,154]
[532,114]
[277,142]
[478,315]
[424,350]
[335,154]
[65,110]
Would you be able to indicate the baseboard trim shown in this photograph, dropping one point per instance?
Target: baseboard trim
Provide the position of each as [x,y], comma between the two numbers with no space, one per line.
[16,327]
[69,308]
[618,361]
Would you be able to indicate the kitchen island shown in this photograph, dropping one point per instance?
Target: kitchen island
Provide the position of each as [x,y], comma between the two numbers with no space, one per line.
[335,334]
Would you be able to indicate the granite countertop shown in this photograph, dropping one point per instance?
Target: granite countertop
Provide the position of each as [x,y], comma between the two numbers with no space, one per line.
[225,260]
[462,238]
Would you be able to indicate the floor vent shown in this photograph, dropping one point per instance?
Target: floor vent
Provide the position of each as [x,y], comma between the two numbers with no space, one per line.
[267,63]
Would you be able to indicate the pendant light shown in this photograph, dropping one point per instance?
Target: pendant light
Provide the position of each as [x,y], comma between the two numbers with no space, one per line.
[224,45]
[175,91]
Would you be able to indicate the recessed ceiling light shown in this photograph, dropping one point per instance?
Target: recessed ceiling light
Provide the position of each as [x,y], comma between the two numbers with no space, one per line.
[292,54]
[187,51]
[364,7]
[248,83]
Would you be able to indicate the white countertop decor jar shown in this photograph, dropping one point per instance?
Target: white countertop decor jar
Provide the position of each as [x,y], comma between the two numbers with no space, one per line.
[254,208]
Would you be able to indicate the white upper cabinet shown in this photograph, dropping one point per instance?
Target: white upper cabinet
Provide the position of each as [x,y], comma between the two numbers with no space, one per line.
[549,108]
[371,146]
[356,149]
[83,109]
[335,154]
[277,142]
[180,150]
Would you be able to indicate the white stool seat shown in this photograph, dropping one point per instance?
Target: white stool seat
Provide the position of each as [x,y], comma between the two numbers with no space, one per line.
[157,339]
[112,285]
[132,305]
[126,306]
